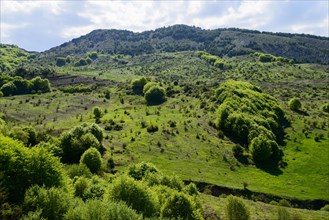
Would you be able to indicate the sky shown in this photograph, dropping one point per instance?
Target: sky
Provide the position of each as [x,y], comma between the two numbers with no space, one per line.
[37,25]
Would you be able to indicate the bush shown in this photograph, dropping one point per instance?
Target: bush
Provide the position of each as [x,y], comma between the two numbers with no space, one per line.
[97,113]
[135,194]
[285,203]
[53,202]
[155,95]
[148,86]
[294,104]
[261,150]
[95,209]
[179,206]
[235,209]
[140,170]
[81,184]
[77,170]
[76,141]
[60,61]
[325,107]
[152,128]
[92,159]
[138,85]
[23,167]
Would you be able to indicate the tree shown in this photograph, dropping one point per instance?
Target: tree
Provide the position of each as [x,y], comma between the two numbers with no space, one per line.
[138,85]
[179,206]
[92,159]
[261,150]
[23,167]
[294,104]
[39,84]
[155,95]
[235,209]
[135,194]
[8,89]
[53,202]
[97,113]
[148,86]
[60,61]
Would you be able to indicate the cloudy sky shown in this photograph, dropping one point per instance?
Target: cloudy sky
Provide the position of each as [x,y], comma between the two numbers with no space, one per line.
[39,25]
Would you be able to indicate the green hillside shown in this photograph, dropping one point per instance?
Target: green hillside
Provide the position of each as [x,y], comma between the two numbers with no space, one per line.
[121,135]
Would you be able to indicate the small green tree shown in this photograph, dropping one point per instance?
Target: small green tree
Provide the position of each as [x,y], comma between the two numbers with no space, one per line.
[294,104]
[53,202]
[325,107]
[92,159]
[235,209]
[261,150]
[155,95]
[138,85]
[97,113]
[179,206]
[148,86]
[60,61]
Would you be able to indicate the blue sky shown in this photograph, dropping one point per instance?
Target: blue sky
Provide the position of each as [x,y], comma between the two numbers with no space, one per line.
[39,25]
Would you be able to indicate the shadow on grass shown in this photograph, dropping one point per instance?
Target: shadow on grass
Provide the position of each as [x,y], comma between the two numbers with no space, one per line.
[301,112]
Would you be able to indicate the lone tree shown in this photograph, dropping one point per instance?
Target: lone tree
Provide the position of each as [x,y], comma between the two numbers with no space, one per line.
[155,95]
[294,104]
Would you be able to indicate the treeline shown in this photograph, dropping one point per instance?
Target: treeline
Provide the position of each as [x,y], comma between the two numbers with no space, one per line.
[263,57]
[252,118]
[17,85]
[214,60]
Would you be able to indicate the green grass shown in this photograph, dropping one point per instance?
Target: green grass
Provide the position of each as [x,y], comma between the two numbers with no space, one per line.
[259,210]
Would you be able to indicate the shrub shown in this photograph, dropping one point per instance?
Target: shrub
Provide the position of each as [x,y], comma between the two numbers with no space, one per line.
[155,95]
[138,85]
[294,104]
[8,89]
[235,209]
[60,61]
[81,184]
[23,167]
[76,141]
[135,194]
[261,149]
[92,159]
[97,113]
[148,86]
[285,203]
[77,170]
[152,128]
[325,107]
[53,202]
[95,209]
[140,170]
[191,189]
[179,206]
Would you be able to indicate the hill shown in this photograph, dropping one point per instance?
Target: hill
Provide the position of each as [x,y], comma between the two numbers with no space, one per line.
[223,42]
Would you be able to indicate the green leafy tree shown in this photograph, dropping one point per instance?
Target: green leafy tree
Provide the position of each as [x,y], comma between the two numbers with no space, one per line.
[60,61]
[325,107]
[92,159]
[261,150]
[138,85]
[235,209]
[155,95]
[135,194]
[97,113]
[148,86]
[39,84]
[179,206]
[294,104]
[53,202]
[23,167]
[8,89]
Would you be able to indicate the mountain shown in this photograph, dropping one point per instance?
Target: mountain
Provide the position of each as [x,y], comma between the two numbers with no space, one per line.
[222,42]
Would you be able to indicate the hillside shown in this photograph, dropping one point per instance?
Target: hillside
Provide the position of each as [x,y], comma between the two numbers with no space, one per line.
[223,42]
[123,125]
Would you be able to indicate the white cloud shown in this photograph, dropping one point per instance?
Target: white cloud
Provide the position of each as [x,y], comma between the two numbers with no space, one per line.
[321,27]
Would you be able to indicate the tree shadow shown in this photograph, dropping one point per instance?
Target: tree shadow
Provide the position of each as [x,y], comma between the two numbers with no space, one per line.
[301,112]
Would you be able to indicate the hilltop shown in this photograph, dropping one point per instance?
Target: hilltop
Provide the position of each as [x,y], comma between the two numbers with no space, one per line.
[222,42]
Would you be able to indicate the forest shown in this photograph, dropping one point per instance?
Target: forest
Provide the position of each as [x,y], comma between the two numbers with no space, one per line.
[113,125]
